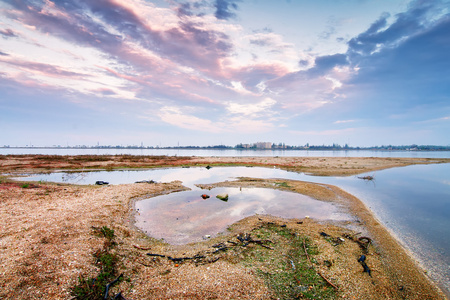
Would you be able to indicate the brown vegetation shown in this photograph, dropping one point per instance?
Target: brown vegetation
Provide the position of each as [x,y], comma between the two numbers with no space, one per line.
[311,165]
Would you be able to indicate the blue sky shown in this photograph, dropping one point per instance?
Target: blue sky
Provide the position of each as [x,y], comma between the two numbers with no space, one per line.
[208,72]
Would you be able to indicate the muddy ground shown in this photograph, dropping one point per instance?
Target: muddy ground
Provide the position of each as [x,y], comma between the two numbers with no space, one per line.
[49,238]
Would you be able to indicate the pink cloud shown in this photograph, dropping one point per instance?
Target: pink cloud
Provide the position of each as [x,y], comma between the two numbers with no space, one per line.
[8,32]
[184,61]
[104,91]
[26,83]
[42,69]
[166,88]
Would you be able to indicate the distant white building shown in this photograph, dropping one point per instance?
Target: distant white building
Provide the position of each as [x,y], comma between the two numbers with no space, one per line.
[264,145]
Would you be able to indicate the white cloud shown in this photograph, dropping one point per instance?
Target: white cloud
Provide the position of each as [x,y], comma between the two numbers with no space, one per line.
[443,119]
[174,116]
[336,83]
[221,124]
[251,109]
[239,88]
[344,121]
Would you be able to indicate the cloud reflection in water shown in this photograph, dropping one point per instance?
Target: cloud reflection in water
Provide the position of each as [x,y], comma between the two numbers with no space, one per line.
[184,217]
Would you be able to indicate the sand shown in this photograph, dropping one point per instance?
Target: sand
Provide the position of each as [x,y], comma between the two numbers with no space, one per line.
[47,235]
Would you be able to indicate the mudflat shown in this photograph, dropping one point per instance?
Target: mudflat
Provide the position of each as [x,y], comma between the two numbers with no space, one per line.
[332,166]
[55,238]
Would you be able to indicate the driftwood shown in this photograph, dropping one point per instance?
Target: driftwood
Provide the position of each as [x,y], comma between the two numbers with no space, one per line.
[318,272]
[177,259]
[141,248]
[158,255]
[145,181]
[368,177]
[261,243]
[362,261]
[244,239]
[364,242]
[329,282]
[144,264]
[220,247]
[110,285]
[180,259]
[306,252]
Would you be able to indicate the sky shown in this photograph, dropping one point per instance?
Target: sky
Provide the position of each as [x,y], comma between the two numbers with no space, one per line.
[224,72]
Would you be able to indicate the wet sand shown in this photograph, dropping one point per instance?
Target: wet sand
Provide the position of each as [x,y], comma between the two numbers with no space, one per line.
[47,241]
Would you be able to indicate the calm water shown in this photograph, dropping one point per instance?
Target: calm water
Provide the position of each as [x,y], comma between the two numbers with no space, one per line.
[412,202]
[230,152]
[189,176]
[185,217]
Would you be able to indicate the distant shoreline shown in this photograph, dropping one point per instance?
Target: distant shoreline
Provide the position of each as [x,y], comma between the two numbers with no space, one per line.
[288,148]
[322,166]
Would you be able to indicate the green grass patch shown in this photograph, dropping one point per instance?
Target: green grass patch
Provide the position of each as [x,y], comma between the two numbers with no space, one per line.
[107,233]
[283,184]
[91,288]
[286,269]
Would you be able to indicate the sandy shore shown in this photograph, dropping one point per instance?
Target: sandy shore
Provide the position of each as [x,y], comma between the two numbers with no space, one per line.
[48,236]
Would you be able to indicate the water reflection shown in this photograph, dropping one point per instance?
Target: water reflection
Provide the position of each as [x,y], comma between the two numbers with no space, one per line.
[184,217]
[189,176]
[414,204]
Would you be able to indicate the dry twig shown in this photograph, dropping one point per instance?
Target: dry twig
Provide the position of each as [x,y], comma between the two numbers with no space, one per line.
[309,260]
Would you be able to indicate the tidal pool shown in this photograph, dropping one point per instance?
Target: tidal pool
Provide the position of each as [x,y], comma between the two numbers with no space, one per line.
[185,217]
[189,176]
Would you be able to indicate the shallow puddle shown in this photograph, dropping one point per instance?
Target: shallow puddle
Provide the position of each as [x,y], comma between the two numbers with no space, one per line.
[189,176]
[185,217]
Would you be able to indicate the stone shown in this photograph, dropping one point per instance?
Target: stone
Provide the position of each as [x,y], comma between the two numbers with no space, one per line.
[223,197]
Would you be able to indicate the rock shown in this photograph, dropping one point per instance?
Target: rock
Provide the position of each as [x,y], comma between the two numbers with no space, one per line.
[205,237]
[204,196]
[146,181]
[367,177]
[101,182]
[223,197]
